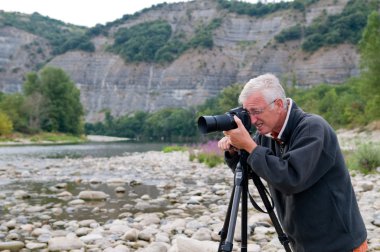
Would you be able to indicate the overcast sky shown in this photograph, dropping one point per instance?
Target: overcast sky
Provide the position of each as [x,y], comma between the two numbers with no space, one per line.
[82,12]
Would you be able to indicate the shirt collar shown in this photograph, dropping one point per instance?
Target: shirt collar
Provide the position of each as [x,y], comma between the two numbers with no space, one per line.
[290,104]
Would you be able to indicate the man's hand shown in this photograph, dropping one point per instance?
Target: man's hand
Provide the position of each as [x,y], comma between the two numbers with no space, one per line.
[238,138]
[225,144]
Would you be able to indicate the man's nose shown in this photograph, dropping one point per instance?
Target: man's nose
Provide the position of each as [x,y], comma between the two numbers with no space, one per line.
[253,119]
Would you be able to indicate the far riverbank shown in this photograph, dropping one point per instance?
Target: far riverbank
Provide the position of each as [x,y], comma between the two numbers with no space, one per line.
[56,138]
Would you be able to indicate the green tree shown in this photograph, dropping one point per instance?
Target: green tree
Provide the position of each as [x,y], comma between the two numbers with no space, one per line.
[132,126]
[292,33]
[6,125]
[13,106]
[354,107]
[62,37]
[35,107]
[327,30]
[228,98]
[108,120]
[32,84]
[61,110]
[35,103]
[170,124]
[370,66]
[182,124]
[209,107]
[142,41]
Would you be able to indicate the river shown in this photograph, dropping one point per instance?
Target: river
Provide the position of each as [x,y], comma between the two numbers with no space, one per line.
[33,165]
[91,149]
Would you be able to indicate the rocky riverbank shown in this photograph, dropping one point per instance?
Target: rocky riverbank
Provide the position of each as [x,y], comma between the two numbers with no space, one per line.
[183,212]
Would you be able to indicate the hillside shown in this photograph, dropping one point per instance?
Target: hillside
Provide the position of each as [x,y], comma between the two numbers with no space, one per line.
[243,46]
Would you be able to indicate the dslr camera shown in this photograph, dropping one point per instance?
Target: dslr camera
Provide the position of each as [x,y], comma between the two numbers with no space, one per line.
[207,124]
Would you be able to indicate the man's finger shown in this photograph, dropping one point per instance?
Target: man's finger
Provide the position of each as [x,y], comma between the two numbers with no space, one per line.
[238,121]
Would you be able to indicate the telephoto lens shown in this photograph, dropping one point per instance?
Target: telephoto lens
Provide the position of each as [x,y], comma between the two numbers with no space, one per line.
[207,124]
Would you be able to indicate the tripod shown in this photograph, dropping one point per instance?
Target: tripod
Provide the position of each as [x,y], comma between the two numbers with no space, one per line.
[241,189]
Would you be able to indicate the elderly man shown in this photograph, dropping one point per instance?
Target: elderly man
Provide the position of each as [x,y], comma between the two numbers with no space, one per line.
[298,154]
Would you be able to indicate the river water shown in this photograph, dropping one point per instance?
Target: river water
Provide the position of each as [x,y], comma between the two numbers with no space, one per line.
[42,189]
[92,149]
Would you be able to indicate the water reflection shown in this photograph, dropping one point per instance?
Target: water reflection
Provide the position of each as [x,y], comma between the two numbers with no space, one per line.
[46,195]
[92,149]
[22,161]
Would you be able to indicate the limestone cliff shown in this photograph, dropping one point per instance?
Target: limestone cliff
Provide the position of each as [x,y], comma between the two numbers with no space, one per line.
[244,47]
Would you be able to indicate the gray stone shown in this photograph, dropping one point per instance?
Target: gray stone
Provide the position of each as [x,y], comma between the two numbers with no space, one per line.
[35,245]
[131,235]
[64,243]
[11,245]
[93,195]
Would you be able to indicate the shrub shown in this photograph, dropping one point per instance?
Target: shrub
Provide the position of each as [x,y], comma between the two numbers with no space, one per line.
[211,160]
[6,125]
[173,148]
[141,42]
[208,153]
[367,157]
[56,138]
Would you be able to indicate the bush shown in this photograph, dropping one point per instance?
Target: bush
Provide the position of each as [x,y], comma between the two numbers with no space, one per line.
[291,33]
[210,159]
[62,37]
[56,138]
[173,148]
[6,125]
[155,42]
[367,157]
[141,42]
[346,27]
[208,153]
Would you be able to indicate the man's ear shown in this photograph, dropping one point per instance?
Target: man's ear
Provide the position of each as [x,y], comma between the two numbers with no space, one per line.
[280,105]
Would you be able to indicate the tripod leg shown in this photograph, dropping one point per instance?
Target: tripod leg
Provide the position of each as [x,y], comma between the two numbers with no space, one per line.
[244,213]
[228,243]
[234,213]
[223,232]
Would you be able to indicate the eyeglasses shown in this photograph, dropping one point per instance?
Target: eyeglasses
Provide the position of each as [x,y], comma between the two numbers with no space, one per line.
[256,112]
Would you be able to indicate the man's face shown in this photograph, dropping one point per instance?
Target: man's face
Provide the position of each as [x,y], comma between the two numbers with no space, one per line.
[263,116]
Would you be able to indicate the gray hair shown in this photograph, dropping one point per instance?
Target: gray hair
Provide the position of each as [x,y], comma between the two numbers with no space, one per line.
[267,84]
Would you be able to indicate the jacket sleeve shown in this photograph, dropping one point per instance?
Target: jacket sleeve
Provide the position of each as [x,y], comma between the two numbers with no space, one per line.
[310,155]
[231,160]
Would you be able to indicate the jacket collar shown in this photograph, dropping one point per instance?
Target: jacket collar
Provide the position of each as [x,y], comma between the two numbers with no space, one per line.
[294,115]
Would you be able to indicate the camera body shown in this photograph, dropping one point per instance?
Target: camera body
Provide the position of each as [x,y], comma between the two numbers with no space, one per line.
[207,124]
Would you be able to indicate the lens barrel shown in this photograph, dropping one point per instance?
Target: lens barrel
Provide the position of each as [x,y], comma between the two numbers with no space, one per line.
[207,124]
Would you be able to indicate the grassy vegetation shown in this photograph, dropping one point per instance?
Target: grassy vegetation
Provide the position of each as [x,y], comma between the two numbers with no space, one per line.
[365,158]
[173,148]
[156,42]
[330,30]
[57,138]
[259,9]
[45,137]
[207,153]
[61,36]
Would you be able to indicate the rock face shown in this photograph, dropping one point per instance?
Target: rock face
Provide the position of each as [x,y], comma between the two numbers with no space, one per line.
[20,52]
[244,47]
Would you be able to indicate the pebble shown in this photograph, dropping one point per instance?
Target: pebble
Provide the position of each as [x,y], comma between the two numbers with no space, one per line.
[185,216]
[11,245]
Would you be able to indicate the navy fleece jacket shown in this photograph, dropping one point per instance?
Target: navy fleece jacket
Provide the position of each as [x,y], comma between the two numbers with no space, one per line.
[310,185]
